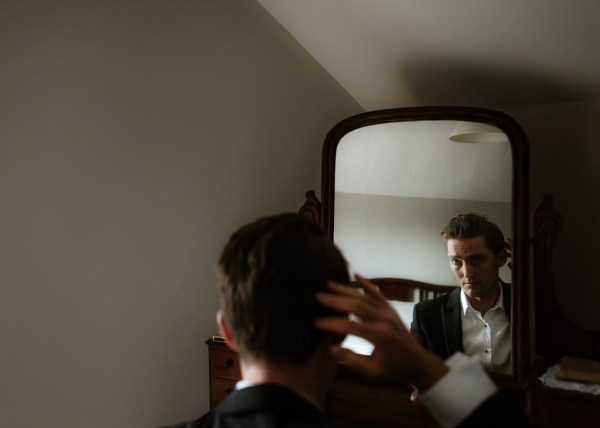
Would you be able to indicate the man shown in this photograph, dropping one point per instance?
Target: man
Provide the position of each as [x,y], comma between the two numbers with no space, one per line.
[268,275]
[284,309]
[474,318]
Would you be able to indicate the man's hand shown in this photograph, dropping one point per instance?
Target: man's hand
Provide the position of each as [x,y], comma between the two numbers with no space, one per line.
[397,356]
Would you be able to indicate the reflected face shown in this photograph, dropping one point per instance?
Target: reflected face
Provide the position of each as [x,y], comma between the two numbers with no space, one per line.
[476,267]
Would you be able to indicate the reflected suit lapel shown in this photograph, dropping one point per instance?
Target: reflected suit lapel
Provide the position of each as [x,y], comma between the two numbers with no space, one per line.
[451,317]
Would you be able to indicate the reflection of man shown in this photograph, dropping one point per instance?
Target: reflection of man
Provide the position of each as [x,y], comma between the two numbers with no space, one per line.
[285,318]
[474,318]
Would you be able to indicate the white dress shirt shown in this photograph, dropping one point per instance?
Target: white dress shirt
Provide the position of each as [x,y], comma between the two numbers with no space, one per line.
[487,336]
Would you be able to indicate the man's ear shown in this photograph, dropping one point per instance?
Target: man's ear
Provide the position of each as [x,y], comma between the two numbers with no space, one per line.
[222,323]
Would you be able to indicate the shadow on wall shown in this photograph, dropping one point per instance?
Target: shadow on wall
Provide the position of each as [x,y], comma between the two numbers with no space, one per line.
[437,82]
[565,157]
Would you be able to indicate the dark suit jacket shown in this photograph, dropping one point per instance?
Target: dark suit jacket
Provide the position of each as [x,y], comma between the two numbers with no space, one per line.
[437,323]
[271,406]
[262,406]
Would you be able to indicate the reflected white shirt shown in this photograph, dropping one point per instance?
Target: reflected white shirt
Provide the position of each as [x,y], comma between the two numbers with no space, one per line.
[487,336]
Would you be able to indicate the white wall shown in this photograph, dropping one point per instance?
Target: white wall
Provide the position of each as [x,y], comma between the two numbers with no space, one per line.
[417,160]
[134,137]
[564,141]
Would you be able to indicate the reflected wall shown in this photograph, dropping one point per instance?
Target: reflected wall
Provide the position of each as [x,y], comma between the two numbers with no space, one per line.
[398,184]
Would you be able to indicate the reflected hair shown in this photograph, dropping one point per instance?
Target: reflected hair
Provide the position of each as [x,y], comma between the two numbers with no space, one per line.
[471,225]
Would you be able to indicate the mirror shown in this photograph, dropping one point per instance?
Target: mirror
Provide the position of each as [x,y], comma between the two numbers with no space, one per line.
[397,185]
[392,179]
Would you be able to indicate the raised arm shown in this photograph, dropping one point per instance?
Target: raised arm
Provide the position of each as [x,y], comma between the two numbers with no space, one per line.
[457,392]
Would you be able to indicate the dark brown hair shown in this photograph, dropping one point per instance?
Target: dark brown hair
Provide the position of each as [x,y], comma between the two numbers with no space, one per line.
[467,226]
[269,272]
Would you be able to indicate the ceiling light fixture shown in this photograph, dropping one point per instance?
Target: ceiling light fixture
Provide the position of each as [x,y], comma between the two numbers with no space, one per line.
[476,132]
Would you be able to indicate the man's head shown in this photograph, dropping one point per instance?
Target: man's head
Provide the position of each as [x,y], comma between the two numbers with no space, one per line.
[269,272]
[466,226]
[476,250]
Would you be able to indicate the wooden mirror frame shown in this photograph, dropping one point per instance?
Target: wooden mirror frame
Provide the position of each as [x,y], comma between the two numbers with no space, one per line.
[520,198]
[556,336]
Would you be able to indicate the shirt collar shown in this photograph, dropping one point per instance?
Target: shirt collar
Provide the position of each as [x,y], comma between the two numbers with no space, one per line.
[466,305]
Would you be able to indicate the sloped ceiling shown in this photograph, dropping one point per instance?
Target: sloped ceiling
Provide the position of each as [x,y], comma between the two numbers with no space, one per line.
[395,53]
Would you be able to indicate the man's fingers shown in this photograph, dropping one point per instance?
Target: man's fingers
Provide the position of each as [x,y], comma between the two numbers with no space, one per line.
[377,301]
[346,326]
[335,301]
[359,363]
[369,287]
[346,299]
[365,302]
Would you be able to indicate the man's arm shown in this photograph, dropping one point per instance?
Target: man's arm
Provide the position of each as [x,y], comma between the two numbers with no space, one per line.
[397,356]
[455,392]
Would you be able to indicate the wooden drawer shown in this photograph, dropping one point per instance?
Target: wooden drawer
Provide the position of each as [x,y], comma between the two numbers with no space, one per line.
[224,363]
[219,389]
[224,371]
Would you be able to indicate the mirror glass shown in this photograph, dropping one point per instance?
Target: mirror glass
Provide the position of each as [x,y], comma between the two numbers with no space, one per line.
[392,179]
[398,184]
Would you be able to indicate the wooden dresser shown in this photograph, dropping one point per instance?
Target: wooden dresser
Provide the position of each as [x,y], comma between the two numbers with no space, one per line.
[224,371]
[556,336]
[557,408]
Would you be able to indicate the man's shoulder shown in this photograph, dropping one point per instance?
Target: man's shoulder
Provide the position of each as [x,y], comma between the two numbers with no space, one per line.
[264,419]
[435,302]
[263,406]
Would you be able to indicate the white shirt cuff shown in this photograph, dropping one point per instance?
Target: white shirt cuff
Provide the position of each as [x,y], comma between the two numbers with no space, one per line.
[456,395]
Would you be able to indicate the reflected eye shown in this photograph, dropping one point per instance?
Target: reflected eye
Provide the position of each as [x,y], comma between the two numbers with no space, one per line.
[476,260]
[456,262]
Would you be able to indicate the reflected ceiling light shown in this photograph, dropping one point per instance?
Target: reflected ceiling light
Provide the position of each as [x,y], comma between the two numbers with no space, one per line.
[476,132]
